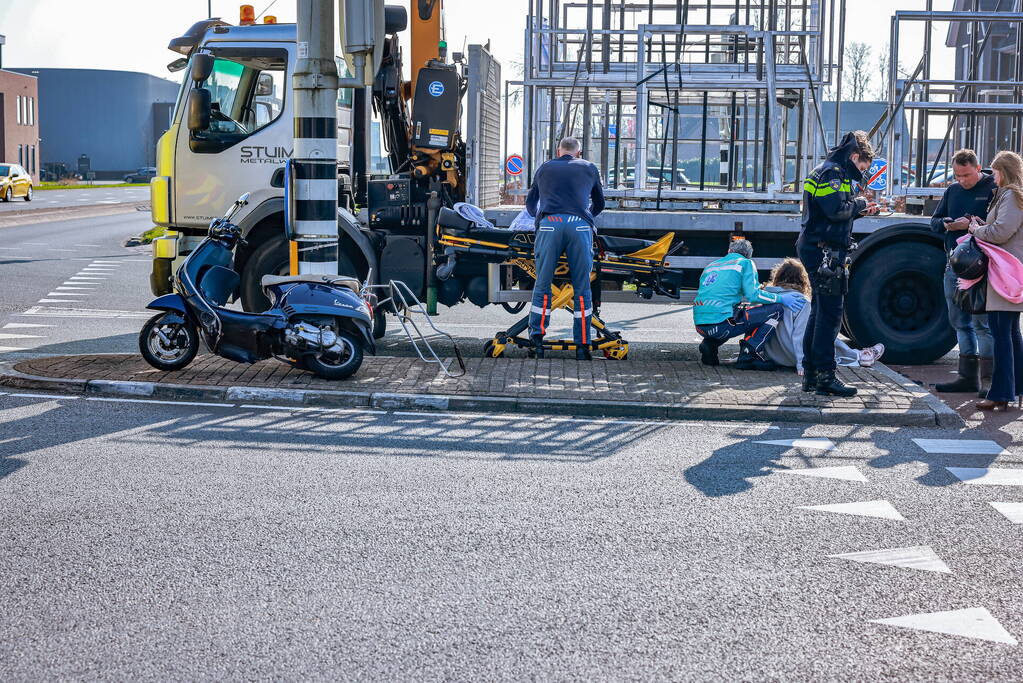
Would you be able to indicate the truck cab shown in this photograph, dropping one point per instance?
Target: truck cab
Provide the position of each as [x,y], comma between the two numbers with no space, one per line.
[246,141]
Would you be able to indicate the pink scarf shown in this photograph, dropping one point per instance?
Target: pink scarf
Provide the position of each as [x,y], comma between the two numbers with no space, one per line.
[1004,271]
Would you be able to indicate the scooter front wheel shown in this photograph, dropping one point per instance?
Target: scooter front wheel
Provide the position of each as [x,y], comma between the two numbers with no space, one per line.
[169,341]
[340,363]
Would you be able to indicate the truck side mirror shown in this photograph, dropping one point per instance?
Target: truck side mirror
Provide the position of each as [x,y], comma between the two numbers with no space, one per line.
[199,108]
[202,66]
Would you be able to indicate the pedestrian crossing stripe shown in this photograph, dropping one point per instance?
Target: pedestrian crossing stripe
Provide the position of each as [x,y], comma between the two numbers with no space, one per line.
[960,446]
[990,476]
[1011,511]
[880,509]
[920,557]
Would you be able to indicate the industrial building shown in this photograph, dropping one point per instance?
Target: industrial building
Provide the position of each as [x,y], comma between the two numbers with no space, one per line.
[112,118]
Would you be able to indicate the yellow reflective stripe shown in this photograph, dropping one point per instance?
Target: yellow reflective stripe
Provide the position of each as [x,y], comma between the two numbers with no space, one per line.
[824,191]
[809,187]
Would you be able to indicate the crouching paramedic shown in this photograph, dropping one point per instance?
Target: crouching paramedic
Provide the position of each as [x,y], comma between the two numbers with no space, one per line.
[565,196]
[720,314]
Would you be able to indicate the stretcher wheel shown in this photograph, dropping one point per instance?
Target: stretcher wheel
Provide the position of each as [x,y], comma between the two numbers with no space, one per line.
[617,352]
[493,350]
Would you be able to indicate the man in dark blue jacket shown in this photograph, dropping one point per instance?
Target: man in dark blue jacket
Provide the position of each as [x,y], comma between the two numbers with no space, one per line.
[968,196]
[565,196]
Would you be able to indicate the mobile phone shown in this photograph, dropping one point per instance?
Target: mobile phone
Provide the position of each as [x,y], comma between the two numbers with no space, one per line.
[946,219]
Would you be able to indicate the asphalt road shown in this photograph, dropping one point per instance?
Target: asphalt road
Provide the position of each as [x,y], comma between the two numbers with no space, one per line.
[153,541]
[70,287]
[53,199]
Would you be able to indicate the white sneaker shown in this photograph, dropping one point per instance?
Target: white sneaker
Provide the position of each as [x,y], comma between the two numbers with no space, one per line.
[870,354]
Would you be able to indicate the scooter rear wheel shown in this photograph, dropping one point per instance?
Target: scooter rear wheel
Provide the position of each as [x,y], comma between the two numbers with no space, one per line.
[168,342]
[336,365]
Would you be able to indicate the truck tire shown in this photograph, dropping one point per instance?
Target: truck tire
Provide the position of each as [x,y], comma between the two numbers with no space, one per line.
[271,258]
[896,298]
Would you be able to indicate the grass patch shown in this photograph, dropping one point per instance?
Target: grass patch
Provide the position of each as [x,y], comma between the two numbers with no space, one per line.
[151,234]
[62,186]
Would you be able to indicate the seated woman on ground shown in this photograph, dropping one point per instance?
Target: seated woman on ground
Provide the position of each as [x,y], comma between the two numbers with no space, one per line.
[786,346]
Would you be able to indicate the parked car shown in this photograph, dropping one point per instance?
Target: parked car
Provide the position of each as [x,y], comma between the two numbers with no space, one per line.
[143,175]
[15,182]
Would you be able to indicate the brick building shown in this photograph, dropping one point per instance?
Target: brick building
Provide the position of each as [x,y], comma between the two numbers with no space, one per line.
[19,121]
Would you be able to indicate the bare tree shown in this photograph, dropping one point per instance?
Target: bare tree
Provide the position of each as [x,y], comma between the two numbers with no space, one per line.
[857,57]
[883,66]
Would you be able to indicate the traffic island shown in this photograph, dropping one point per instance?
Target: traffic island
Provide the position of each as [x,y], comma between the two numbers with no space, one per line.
[663,390]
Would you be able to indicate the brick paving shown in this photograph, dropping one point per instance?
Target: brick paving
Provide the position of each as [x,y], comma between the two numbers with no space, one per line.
[663,382]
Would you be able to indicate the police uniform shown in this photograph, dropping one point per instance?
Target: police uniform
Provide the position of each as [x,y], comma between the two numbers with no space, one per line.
[565,196]
[829,209]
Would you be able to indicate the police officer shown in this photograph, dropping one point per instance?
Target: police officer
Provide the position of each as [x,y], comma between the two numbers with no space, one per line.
[830,206]
[565,196]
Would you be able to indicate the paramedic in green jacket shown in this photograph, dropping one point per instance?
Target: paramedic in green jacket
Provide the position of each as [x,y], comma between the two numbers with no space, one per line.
[726,283]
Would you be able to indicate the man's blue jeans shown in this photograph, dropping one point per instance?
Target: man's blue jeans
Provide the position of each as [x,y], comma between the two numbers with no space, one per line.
[572,236]
[972,331]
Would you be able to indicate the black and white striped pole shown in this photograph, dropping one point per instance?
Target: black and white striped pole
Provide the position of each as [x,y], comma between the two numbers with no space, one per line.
[313,173]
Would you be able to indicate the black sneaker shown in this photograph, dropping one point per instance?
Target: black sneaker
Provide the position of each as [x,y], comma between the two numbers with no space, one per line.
[764,364]
[829,385]
[709,353]
[745,361]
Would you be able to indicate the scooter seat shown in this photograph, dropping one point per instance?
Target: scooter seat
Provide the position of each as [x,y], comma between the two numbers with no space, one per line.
[314,279]
[622,245]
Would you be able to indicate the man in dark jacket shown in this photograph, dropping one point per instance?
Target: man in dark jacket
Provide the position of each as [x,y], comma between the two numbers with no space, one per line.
[968,196]
[565,196]
[830,206]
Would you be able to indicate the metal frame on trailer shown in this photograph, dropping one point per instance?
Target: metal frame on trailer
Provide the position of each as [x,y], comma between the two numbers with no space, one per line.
[981,108]
[640,83]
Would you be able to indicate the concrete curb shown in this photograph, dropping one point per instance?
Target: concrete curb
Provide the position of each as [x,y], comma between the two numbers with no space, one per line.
[938,415]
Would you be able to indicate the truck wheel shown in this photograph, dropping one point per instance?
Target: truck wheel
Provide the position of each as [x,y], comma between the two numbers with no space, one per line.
[896,298]
[272,258]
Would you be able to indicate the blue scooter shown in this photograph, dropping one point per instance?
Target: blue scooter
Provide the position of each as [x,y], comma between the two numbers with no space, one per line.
[321,323]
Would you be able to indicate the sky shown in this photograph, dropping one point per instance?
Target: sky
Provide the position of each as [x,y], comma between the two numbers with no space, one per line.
[132,35]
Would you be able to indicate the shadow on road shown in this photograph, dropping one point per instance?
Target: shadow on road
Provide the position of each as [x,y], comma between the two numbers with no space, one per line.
[730,470]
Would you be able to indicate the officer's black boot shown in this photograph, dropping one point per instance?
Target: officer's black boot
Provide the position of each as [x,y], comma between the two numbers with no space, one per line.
[829,385]
[968,380]
[709,352]
[809,379]
[583,353]
[538,346]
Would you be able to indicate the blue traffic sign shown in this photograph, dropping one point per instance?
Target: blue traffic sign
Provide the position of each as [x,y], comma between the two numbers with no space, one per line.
[436,88]
[514,164]
[878,175]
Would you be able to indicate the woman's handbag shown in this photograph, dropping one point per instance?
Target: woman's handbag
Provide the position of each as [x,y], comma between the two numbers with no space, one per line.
[974,299]
[968,260]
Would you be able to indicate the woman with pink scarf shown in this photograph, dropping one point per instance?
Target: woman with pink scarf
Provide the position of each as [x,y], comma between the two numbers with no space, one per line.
[1004,228]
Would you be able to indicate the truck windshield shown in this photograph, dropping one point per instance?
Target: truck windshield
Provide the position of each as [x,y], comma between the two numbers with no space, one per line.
[247,92]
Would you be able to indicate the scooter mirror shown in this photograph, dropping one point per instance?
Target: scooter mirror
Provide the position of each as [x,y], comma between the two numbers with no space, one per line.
[238,203]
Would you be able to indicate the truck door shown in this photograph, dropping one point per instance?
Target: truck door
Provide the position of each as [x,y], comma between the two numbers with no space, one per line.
[249,137]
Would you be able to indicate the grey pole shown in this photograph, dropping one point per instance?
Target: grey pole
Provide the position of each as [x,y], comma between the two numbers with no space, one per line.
[315,152]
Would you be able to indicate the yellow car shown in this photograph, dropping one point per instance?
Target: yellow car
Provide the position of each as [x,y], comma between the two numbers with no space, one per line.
[15,182]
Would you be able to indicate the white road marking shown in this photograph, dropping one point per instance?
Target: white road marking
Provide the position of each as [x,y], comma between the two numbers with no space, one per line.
[960,446]
[36,244]
[991,476]
[64,396]
[10,248]
[818,444]
[845,472]
[71,250]
[116,263]
[20,336]
[59,289]
[8,349]
[1012,511]
[57,301]
[881,509]
[19,326]
[86,277]
[67,294]
[52,312]
[88,245]
[920,557]
[973,622]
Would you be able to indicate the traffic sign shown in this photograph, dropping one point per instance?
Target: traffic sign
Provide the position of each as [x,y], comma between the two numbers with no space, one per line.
[514,164]
[878,175]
